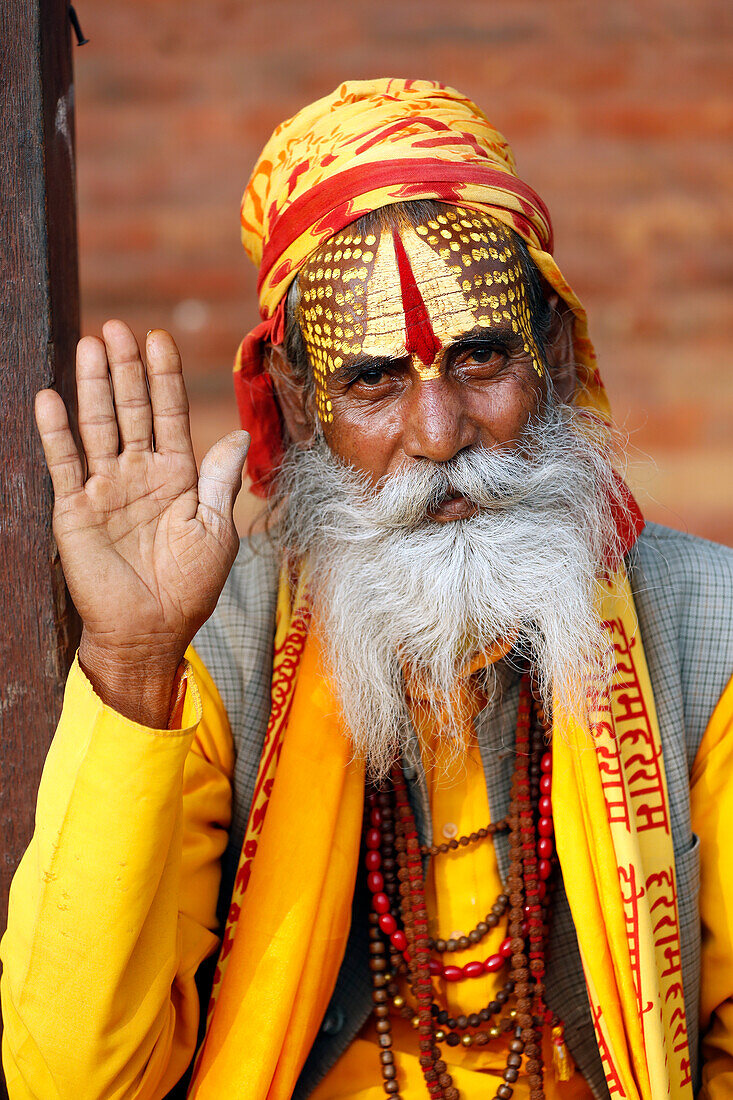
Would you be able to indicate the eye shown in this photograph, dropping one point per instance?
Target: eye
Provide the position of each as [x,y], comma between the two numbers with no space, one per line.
[372,376]
[481,354]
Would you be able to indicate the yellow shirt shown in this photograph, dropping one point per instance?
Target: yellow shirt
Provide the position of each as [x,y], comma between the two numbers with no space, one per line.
[112,908]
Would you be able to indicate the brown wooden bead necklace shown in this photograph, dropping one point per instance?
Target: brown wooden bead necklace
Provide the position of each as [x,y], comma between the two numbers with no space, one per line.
[399,944]
[463,841]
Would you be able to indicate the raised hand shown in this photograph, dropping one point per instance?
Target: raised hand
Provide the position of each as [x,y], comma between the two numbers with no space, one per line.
[145,541]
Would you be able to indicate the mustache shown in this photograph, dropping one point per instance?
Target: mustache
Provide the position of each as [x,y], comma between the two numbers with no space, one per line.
[492,480]
[495,479]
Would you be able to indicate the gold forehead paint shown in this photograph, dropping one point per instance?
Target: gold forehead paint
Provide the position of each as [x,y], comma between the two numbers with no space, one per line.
[411,293]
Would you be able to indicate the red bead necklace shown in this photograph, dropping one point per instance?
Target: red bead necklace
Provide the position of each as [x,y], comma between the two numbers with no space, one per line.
[399,944]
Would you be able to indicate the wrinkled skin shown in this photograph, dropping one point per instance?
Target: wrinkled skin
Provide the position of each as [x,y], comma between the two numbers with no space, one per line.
[384,409]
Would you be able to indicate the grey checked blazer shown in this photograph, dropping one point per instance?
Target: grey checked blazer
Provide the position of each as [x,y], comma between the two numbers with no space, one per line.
[683,588]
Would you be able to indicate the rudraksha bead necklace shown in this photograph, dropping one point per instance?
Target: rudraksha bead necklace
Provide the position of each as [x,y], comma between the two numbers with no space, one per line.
[463,841]
[399,944]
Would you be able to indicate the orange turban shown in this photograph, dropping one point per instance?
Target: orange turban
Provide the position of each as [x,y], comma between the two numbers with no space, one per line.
[369,144]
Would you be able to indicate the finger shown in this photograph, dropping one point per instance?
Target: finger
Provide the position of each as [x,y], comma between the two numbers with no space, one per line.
[97,422]
[220,478]
[129,382]
[62,456]
[168,397]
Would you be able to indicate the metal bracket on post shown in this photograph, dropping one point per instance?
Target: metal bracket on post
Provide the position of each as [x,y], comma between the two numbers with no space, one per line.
[80,39]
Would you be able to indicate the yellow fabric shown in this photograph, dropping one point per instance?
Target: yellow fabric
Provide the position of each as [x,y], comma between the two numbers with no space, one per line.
[356,130]
[618,870]
[712,821]
[97,989]
[614,845]
[460,888]
[296,912]
[113,906]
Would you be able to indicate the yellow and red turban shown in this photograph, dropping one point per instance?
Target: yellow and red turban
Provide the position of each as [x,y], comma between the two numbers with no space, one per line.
[368,145]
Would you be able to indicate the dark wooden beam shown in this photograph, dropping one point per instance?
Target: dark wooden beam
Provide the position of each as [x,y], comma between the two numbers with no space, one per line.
[39,323]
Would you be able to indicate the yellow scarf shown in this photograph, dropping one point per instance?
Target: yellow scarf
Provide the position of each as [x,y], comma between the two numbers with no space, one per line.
[291,906]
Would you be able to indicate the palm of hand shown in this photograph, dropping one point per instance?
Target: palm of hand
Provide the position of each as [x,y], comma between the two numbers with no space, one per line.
[135,531]
[145,543]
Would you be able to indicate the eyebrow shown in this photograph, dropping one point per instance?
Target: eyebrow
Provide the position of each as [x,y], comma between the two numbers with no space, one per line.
[499,333]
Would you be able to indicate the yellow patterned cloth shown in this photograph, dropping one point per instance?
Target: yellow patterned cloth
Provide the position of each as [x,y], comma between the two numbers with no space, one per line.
[370,143]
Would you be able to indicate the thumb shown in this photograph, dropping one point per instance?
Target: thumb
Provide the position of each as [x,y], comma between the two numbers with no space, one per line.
[220,478]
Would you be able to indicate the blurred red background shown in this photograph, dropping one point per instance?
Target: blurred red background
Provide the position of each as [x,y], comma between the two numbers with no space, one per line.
[620,115]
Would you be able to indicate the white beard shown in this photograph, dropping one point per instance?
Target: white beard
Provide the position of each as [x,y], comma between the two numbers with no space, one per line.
[392,588]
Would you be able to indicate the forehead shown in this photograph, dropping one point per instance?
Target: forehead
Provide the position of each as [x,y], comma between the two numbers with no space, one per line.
[411,291]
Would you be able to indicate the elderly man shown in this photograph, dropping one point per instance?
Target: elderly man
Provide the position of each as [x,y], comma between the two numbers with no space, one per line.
[454,743]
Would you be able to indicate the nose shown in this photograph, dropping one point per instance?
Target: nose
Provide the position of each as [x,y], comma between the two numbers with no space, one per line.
[436,424]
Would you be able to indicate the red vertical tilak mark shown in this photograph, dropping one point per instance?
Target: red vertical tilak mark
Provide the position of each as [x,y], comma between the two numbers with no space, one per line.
[421,339]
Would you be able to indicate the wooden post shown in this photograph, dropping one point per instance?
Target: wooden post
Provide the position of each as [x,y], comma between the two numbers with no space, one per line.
[39,323]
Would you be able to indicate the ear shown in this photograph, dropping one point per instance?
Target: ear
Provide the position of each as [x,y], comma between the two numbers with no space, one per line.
[291,396]
[559,350]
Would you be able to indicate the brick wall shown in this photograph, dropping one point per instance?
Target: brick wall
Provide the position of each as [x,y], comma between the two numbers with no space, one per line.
[620,115]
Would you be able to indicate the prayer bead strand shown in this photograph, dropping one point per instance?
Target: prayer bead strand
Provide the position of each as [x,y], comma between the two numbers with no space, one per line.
[399,941]
[457,842]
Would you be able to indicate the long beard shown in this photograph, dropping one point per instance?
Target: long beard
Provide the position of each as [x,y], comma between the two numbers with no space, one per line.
[393,589]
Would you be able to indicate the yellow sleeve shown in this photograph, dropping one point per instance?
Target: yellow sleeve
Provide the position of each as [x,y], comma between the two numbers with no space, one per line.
[112,908]
[712,820]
